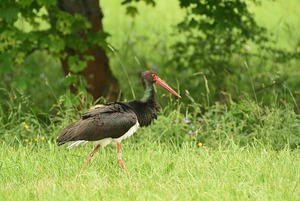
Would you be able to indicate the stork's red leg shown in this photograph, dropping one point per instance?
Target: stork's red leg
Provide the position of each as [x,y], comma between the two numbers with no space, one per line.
[120,156]
[90,157]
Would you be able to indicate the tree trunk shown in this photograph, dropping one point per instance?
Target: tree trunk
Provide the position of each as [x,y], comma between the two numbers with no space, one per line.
[101,81]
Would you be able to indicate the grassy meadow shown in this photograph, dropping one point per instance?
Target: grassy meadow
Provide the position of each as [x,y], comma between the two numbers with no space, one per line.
[155,172]
[235,151]
[164,161]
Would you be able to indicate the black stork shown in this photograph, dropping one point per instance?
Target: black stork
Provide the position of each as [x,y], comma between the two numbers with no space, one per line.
[113,122]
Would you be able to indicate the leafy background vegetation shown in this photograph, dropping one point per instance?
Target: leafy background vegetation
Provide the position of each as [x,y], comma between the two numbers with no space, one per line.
[234,135]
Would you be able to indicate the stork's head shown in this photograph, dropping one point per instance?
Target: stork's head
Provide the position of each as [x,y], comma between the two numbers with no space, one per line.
[152,77]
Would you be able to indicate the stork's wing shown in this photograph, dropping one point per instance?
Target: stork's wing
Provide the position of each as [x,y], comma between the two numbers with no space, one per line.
[112,120]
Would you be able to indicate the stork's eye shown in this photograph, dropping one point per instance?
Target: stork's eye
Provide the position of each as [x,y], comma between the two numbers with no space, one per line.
[154,76]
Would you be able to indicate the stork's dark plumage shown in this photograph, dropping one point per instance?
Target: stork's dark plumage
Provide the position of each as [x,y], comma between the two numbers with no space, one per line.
[113,122]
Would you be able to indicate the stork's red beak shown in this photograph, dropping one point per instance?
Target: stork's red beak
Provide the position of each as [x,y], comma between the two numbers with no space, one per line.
[165,85]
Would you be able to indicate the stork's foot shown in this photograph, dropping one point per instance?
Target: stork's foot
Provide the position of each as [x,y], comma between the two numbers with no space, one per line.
[121,163]
[89,158]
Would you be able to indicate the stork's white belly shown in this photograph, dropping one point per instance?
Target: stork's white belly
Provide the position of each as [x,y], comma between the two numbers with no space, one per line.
[109,140]
[129,133]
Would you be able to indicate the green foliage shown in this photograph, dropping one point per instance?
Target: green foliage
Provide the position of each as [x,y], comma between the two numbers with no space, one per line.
[16,113]
[267,55]
[36,32]
[42,81]
[244,124]
[217,38]
[132,10]
[214,31]
[21,122]
[248,123]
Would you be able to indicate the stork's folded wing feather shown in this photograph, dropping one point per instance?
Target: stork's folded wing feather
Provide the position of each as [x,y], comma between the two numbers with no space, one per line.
[112,120]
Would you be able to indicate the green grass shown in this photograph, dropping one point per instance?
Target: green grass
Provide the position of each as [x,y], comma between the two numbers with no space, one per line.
[156,172]
[163,161]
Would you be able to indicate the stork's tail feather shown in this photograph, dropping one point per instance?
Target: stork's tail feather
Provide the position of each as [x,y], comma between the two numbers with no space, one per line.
[66,134]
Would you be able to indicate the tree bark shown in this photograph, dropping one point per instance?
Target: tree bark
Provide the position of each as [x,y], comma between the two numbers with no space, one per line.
[101,81]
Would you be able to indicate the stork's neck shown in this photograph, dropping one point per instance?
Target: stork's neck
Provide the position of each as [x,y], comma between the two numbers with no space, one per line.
[146,108]
[149,91]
